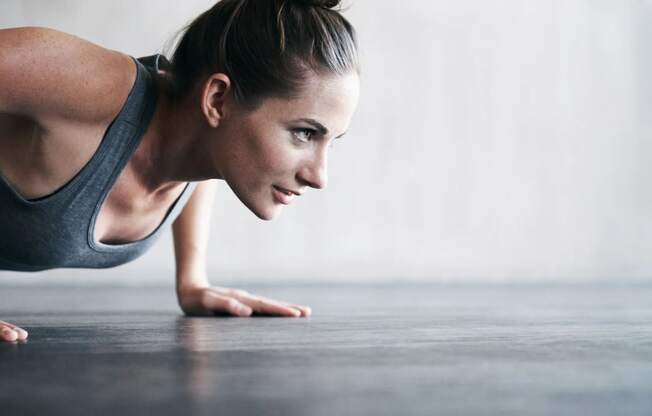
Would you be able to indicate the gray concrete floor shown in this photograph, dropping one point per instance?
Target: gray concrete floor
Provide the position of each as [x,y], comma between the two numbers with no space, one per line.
[384,349]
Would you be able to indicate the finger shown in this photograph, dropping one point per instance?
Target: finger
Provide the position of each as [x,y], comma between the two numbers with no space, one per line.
[305,310]
[22,334]
[270,307]
[219,303]
[262,305]
[8,334]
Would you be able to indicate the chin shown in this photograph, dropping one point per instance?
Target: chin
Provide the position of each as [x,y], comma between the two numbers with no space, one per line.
[267,213]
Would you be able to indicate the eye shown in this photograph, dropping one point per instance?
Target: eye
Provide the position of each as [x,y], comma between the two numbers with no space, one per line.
[304,134]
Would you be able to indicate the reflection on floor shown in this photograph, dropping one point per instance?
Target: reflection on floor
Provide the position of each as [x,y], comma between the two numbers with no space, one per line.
[383,349]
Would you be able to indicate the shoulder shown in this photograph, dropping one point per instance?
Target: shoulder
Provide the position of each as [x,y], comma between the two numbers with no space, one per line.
[53,77]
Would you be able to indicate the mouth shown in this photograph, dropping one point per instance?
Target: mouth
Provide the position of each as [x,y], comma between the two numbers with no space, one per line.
[282,195]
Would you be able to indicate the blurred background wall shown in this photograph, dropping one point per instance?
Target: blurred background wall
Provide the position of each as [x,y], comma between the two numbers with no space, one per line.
[502,140]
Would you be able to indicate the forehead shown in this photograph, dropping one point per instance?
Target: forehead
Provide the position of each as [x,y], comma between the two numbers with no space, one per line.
[330,98]
[328,89]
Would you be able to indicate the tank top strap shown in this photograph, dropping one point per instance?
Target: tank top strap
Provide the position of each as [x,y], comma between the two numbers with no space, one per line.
[125,132]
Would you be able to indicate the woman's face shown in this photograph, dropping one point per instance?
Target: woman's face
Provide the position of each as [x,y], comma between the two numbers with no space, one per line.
[283,145]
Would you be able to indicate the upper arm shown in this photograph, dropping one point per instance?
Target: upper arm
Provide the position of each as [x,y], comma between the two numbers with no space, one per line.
[49,75]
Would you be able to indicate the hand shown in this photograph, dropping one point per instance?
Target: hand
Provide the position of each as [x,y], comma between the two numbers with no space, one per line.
[210,300]
[10,332]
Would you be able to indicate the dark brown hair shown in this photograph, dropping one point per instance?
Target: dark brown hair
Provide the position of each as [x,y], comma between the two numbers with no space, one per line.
[266,47]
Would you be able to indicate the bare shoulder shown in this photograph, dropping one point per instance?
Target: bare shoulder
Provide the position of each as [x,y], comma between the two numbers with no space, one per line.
[54,77]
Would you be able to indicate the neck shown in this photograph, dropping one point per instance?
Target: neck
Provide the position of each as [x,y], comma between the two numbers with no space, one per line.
[173,149]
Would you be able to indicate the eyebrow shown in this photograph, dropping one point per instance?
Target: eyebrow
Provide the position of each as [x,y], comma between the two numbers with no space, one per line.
[320,127]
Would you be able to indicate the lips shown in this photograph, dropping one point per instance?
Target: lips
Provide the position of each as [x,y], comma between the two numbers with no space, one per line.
[282,195]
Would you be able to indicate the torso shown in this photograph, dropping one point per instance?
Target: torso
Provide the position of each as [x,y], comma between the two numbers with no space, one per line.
[37,161]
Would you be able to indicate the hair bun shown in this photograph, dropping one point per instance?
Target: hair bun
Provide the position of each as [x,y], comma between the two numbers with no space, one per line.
[325,4]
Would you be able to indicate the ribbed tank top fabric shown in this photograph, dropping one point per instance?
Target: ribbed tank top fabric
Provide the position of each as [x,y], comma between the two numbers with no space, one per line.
[56,230]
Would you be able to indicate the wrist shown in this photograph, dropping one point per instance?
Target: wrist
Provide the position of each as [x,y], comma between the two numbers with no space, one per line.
[191,280]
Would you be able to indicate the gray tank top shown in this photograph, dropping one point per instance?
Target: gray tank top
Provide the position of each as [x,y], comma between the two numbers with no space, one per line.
[56,230]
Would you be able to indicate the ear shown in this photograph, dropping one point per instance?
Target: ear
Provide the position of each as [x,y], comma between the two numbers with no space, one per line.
[217,89]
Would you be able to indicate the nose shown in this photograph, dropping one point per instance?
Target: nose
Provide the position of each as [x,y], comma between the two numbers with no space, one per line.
[314,173]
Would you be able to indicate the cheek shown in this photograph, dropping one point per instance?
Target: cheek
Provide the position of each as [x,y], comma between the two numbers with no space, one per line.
[273,156]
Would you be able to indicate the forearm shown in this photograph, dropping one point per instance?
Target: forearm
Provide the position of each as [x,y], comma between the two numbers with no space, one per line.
[190,258]
[191,232]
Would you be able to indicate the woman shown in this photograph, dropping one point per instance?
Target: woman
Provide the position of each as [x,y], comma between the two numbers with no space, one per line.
[100,151]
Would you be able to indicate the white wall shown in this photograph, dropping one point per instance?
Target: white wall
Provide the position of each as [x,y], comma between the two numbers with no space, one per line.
[502,140]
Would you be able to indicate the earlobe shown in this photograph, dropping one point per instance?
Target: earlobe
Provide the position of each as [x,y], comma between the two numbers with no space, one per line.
[216,89]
